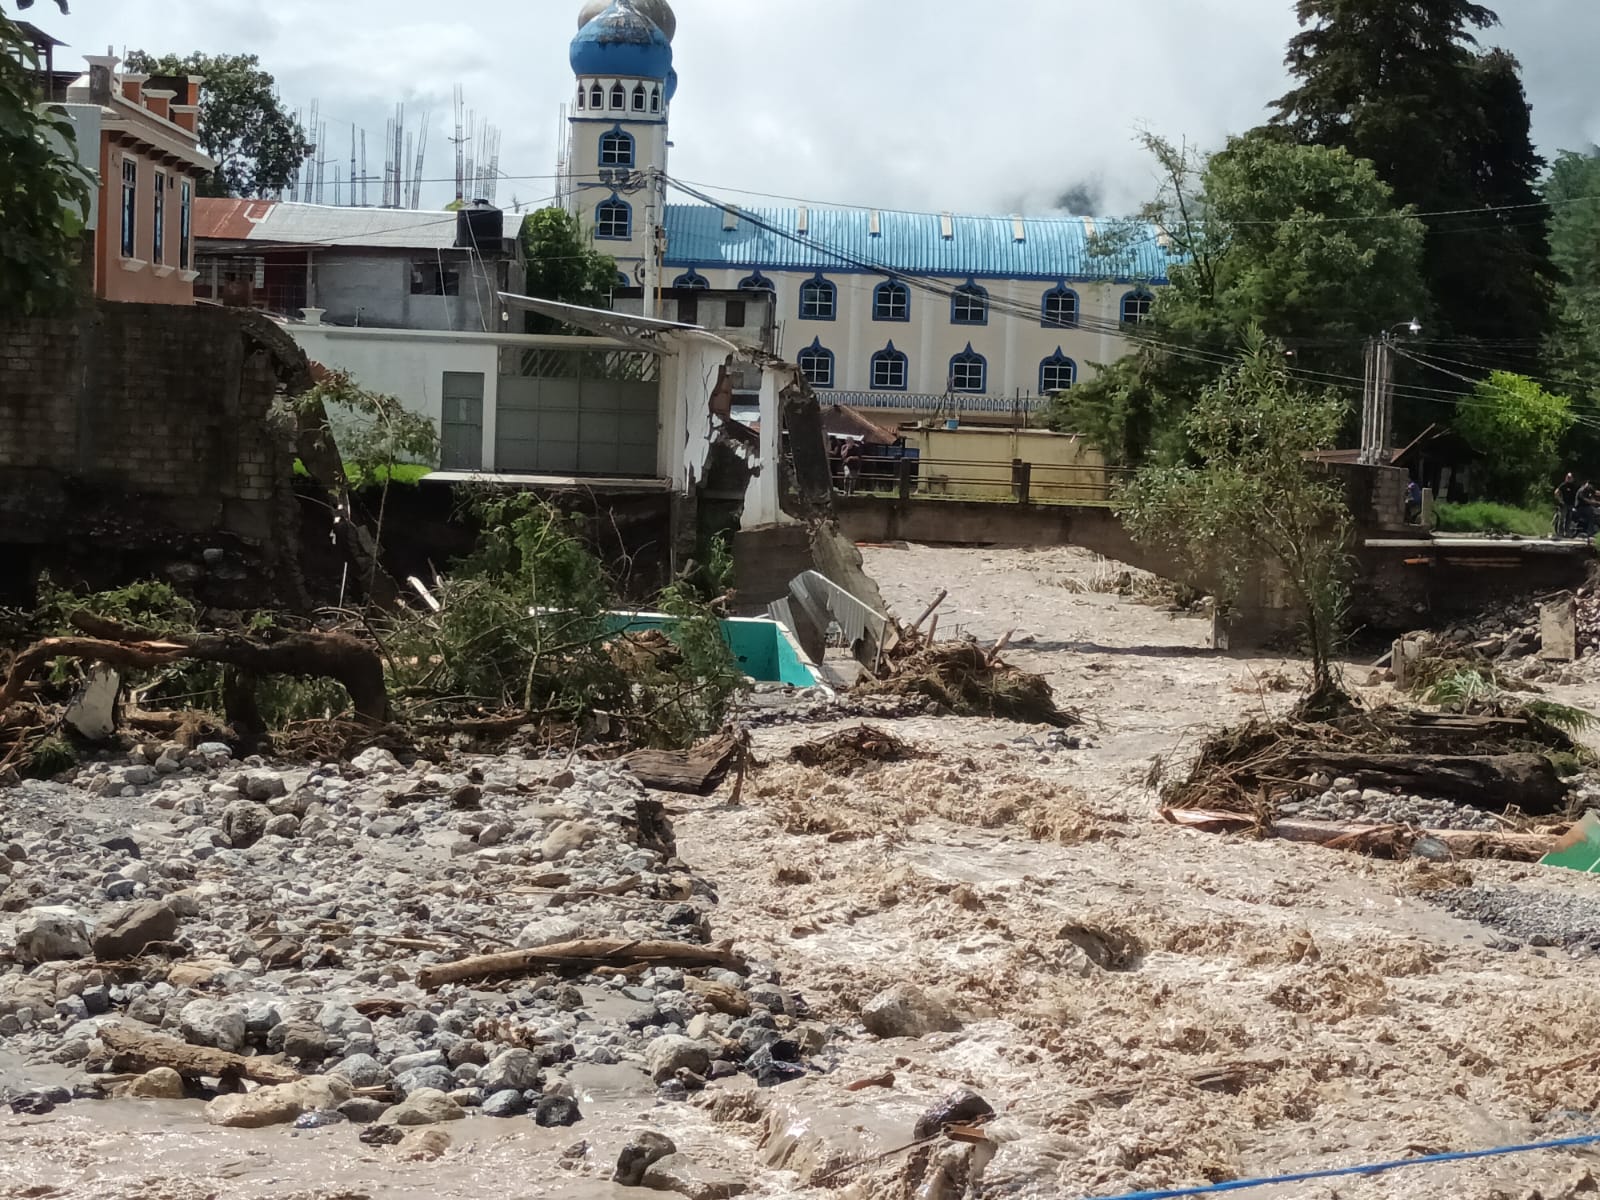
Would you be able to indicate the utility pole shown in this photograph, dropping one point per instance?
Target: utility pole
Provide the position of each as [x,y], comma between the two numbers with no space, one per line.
[655,191]
[1377,394]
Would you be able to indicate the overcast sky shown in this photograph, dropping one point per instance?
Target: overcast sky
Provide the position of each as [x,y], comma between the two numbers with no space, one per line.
[922,104]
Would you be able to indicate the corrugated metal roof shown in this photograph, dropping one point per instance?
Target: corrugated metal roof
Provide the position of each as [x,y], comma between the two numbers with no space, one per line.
[842,239]
[289,224]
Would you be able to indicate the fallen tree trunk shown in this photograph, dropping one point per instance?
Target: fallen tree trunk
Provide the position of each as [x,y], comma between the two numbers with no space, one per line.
[132,1050]
[1492,781]
[1393,841]
[587,955]
[338,656]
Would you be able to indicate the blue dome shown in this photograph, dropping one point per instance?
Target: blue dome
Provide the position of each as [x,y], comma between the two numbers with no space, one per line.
[672,85]
[622,42]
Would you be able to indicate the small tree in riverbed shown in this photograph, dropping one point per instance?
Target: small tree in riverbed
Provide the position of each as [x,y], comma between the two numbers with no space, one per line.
[1253,499]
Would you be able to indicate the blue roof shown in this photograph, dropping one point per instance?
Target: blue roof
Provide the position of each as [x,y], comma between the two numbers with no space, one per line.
[621,42]
[842,240]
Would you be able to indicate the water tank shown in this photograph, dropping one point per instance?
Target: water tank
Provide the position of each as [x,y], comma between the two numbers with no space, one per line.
[481,226]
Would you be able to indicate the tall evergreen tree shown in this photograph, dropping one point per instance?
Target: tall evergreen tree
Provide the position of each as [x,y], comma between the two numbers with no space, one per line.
[1403,83]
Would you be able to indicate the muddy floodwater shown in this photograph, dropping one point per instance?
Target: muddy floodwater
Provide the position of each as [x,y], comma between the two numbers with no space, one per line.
[1144,1006]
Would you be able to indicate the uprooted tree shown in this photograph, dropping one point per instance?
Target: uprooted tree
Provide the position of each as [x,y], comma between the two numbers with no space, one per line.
[1251,500]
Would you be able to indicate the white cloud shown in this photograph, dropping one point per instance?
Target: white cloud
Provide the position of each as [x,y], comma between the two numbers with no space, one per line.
[897,103]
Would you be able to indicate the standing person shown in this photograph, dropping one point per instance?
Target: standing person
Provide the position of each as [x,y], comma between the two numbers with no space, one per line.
[852,466]
[1413,503]
[1566,500]
[1586,510]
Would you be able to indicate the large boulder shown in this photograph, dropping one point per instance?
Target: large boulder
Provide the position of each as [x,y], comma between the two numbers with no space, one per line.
[516,1069]
[126,933]
[214,1023]
[277,1105]
[244,823]
[50,935]
[642,1150]
[671,1053]
[163,1083]
[675,1173]
[905,1010]
[425,1106]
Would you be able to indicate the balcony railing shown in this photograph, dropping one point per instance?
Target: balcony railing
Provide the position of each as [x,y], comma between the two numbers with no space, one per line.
[954,403]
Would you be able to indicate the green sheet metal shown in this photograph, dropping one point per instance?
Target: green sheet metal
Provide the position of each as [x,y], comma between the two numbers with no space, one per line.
[1580,849]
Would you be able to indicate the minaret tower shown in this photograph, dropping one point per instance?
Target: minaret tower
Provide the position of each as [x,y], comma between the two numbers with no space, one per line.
[622,57]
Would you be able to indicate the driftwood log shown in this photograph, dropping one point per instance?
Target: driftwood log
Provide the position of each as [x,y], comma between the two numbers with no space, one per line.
[337,656]
[133,1050]
[1493,782]
[583,956]
[697,771]
[1385,840]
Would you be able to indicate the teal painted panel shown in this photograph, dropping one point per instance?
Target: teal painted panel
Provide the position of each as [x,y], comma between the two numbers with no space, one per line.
[760,647]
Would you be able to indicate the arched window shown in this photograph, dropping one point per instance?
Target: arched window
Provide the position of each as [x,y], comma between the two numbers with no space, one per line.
[969,305]
[616,149]
[613,219]
[597,98]
[819,300]
[1057,373]
[638,98]
[1136,306]
[757,283]
[1060,309]
[581,95]
[891,301]
[655,99]
[890,370]
[692,280]
[623,280]
[816,364]
[969,371]
[619,98]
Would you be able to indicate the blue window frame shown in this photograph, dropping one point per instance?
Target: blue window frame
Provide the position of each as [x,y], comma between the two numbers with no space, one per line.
[969,305]
[891,370]
[619,98]
[891,301]
[816,364]
[623,280]
[969,371]
[655,99]
[597,98]
[1059,309]
[692,280]
[819,300]
[1057,373]
[613,220]
[638,98]
[1136,306]
[616,148]
[757,283]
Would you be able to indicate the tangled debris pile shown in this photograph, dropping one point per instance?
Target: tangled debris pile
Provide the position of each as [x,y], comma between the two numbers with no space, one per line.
[849,750]
[964,679]
[1382,780]
[201,921]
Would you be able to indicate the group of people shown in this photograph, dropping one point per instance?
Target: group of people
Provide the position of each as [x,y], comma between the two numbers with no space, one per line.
[845,455]
[1579,506]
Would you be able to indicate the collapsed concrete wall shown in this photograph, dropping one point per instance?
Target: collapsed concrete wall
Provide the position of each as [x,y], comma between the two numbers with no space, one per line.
[136,437]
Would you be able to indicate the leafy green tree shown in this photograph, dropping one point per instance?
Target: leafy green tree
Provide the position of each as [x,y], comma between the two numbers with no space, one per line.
[562,264]
[1250,499]
[1573,193]
[44,193]
[1517,427]
[1402,82]
[1301,242]
[258,145]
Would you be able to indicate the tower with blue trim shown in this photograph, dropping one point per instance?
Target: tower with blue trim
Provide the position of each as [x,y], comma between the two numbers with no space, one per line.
[617,148]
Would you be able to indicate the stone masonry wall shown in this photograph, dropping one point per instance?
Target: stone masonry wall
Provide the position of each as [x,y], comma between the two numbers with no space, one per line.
[142,425]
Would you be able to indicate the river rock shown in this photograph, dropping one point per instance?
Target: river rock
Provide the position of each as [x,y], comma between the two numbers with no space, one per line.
[507,1103]
[669,1054]
[214,1023]
[363,1110]
[675,1173]
[425,1106]
[375,761]
[960,1107]
[905,1010]
[566,837]
[278,1105]
[642,1150]
[163,1083]
[363,1071]
[285,825]
[128,932]
[261,786]
[557,1112]
[50,935]
[420,1079]
[516,1069]
[244,822]
[423,1145]
[299,1039]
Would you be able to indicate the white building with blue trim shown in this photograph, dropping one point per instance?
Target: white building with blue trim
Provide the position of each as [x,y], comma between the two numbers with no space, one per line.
[881,309]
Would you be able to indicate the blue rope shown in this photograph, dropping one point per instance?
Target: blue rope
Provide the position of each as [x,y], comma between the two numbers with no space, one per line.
[1239,1185]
